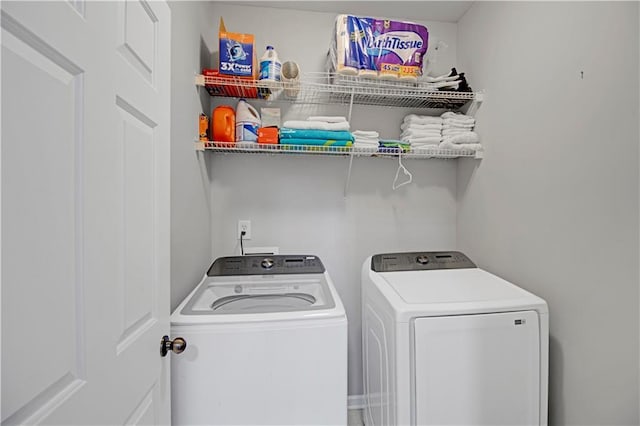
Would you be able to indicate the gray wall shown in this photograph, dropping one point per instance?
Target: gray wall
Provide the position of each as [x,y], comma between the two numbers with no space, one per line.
[191,43]
[298,203]
[553,206]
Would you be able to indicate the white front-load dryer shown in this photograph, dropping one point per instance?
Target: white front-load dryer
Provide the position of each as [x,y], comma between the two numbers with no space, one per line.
[266,345]
[447,343]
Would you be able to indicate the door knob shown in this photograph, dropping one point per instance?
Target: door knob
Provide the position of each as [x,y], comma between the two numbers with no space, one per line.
[177,345]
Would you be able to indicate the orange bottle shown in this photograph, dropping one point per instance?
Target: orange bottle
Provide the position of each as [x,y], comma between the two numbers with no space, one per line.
[223,124]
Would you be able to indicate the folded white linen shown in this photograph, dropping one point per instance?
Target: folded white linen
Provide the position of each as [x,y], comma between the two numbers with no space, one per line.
[365,133]
[422,119]
[317,125]
[430,79]
[405,126]
[451,132]
[467,137]
[434,140]
[416,147]
[430,137]
[327,118]
[458,127]
[452,122]
[421,133]
[448,84]
[456,116]
[460,146]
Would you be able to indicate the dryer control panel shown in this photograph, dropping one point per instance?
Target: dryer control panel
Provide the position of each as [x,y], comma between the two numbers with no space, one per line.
[266,265]
[420,261]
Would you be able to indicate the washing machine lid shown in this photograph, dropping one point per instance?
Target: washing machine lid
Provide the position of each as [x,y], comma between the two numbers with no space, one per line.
[259,285]
[445,278]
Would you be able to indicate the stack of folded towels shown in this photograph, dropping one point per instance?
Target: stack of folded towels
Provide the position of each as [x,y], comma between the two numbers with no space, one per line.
[319,130]
[457,132]
[366,139]
[393,145]
[421,131]
[370,140]
[451,81]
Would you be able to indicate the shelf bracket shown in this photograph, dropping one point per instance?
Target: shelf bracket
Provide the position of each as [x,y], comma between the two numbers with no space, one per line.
[348,180]
[475,104]
[351,104]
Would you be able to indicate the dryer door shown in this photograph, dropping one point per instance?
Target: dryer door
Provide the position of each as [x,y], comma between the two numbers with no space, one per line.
[477,369]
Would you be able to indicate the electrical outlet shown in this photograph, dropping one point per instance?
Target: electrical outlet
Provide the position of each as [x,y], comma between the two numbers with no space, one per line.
[244,225]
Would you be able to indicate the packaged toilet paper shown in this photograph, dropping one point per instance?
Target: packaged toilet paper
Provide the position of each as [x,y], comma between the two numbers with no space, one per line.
[378,47]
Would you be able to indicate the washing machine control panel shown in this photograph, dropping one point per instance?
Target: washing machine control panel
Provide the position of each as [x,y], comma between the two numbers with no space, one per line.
[266,265]
[420,261]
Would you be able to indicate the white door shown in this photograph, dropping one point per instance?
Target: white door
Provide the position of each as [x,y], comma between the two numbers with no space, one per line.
[478,369]
[85,212]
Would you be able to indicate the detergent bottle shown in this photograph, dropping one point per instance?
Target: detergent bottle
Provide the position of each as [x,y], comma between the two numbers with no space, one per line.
[270,65]
[223,124]
[247,122]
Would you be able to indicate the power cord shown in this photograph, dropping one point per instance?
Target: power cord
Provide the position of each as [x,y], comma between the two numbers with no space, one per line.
[242,234]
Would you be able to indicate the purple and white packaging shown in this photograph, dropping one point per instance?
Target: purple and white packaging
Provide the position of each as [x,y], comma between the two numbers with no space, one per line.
[379,47]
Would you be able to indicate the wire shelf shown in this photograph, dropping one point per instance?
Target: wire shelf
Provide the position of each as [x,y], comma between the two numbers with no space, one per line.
[255,148]
[331,88]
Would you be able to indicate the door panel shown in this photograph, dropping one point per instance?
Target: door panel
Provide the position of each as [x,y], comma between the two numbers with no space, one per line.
[477,369]
[41,219]
[85,202]
[138,37]
[138,243]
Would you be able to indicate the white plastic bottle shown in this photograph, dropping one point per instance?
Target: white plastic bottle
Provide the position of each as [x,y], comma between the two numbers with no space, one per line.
[247,122]
[270,65]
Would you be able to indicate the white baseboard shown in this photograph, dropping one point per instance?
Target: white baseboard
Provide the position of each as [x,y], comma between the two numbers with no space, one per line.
[355,402]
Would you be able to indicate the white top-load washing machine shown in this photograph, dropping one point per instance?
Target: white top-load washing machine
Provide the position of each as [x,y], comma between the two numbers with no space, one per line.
[445,342]
[266,345]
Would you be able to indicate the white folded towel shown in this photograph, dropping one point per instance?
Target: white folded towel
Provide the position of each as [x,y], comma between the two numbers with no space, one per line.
[421,133]
[463,138]
[448,84]
[447,77]
[366,138]
[371,140]
[456,116]
[433,140]
[432,137]
[422,119]
[328,118]
[452,125]
[317,125]
[365,134]
[405,126]
[415,147]
[460,146]
[451,132]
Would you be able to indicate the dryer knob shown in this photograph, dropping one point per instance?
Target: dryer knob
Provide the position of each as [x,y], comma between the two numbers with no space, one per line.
[267,263]
[423,260]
